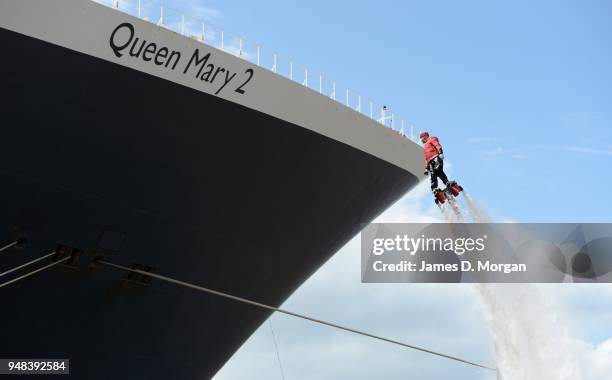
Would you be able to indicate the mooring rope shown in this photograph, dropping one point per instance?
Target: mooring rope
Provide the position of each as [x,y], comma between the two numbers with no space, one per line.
[34,271]
[27,264]
[272,308]
[280,365]
[10,245]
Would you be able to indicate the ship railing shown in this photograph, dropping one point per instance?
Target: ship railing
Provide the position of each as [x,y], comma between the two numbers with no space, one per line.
[200,29]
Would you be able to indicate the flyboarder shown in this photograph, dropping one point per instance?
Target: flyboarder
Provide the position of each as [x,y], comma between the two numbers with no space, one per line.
[434,166]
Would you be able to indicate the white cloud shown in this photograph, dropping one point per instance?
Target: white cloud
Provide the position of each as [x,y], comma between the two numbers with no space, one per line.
[590,151]
[500,151]
[482,139]
[495,152]
[411,208]
[533,333]
[581,303]
[594,359]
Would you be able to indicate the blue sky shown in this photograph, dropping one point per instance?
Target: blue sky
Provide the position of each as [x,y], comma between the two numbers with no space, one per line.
[520,95]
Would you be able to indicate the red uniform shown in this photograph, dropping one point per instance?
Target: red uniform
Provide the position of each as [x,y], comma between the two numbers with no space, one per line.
[431,149]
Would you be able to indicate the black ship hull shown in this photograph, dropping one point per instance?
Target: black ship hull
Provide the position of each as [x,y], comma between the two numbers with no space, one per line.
[137,169]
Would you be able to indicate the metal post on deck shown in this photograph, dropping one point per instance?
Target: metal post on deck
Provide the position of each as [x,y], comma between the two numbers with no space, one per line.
[161,16]
[305,83]
[258,55]
[222,41]
[274,65]
[240,52]
[320,84]
[291,70]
